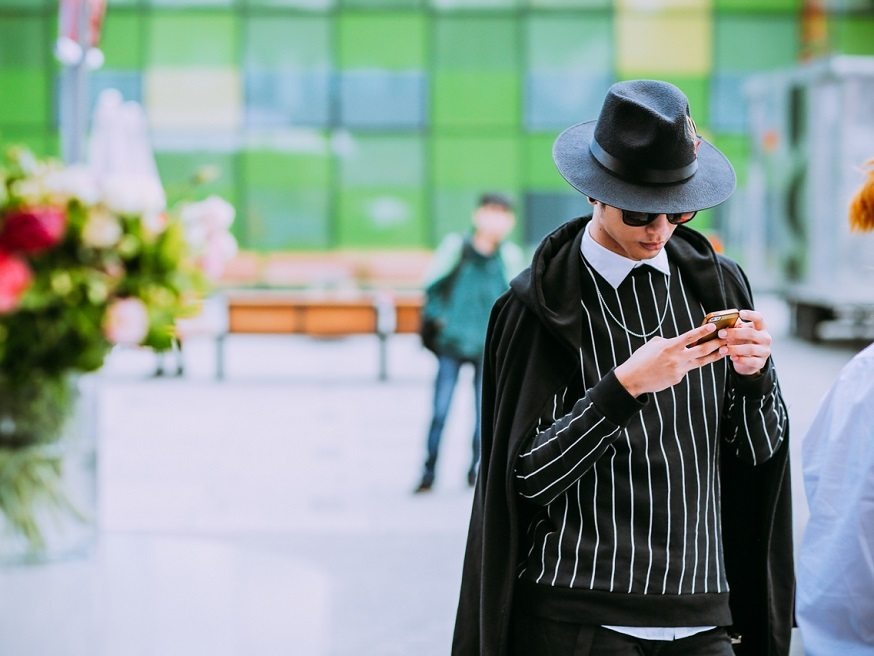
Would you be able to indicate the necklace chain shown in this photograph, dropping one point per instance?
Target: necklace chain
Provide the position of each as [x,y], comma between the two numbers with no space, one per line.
[621,324]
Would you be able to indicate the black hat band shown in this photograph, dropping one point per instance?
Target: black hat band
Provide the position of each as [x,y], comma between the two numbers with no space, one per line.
[636,174]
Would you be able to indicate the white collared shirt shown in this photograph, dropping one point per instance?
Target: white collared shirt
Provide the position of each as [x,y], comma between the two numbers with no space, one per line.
[614,268]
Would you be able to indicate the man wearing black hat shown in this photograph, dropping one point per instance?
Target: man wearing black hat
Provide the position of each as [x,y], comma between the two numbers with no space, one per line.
[633,495]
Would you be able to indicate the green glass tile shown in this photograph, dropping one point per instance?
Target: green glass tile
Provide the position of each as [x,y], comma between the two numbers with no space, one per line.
[392,41]
[737,149]
[571,4]
[196,39]
[288,43]
[471,98]
[384,4]
[474,4]
[178,171]
[269,169]
[753,42]
[758,5]
[540,171]
[39,141]
[24,4]
[121,40]
[315,5]
[287,203]
[475,43]
[369,161]
[286,219]
[481,163]
[24,42]
[576,43]
[381,217]
[30,90]
[852,35]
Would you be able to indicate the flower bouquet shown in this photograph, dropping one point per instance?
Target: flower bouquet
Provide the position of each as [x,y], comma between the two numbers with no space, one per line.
[85,264]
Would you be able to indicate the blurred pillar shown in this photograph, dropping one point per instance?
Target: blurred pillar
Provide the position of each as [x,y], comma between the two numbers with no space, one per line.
[77,49]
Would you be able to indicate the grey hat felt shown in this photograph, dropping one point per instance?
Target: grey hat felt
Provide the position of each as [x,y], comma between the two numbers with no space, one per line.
[640,154]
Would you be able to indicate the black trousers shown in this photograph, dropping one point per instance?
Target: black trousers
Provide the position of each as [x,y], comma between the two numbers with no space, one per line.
[537,636]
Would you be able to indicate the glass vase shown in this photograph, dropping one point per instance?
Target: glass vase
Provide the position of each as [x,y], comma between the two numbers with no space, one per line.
[48,469]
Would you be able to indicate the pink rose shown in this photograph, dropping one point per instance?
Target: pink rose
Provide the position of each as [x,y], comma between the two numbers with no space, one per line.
[15,278]
[32,229]
[126,321]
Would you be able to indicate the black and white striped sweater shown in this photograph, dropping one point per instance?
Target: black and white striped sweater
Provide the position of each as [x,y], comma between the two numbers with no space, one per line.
[629,527]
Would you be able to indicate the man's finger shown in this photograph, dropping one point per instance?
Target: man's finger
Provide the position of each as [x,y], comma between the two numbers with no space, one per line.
[757,318]
[689,338]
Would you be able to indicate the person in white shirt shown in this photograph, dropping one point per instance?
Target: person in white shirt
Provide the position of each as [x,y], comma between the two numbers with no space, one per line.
[835,573]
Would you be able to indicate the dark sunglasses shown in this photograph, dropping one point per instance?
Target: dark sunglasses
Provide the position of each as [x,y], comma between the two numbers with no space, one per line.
[639,219]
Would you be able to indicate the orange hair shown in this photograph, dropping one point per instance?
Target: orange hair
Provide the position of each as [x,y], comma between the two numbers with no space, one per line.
[862,205]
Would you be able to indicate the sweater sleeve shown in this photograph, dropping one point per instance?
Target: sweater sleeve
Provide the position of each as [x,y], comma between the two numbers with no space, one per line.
[756,416]
[565,446]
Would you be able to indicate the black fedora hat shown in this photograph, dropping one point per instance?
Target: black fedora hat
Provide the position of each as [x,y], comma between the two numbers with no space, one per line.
[643,153]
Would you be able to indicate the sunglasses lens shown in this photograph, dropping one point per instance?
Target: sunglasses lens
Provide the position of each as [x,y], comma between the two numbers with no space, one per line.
[682,217]
[637,218]
[640,219]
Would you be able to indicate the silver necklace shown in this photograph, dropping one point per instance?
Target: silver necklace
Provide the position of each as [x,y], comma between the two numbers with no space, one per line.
[622,325]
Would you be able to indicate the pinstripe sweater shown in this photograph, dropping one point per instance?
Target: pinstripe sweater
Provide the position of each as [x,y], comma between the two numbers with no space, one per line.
[629,491]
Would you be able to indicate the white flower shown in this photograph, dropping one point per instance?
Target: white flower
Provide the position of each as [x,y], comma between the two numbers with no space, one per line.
[133,195]
[102,229]
[210,214]
[155,223]
[126,321]
[75,181]
[220,248]
[29,190]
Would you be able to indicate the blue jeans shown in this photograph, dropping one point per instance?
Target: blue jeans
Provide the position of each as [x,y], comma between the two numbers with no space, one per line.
[444,386]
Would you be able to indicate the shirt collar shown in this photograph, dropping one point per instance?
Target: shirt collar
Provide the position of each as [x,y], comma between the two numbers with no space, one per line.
[614,268]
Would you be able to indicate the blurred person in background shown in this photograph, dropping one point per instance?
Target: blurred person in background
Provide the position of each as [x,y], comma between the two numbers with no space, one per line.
[467,274]
[835,606]
[631,475]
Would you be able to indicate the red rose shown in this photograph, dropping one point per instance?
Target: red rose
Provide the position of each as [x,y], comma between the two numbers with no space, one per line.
[14,279]
[32,229]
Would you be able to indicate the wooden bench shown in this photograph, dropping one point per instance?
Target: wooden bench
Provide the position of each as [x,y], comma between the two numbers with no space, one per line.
[274,312]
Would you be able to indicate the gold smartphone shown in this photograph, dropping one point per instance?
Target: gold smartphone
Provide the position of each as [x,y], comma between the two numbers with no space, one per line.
[720,318]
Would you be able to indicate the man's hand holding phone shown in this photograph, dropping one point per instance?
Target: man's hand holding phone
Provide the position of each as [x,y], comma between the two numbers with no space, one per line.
[747,344]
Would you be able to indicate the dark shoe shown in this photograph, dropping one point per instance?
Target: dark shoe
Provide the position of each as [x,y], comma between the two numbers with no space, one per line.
[471,477]
[424,486]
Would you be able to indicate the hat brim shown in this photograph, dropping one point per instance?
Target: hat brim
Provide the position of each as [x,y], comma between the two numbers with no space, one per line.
[712,183]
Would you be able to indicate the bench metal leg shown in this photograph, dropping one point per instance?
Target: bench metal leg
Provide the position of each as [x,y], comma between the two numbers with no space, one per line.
[383,356]
[220,356]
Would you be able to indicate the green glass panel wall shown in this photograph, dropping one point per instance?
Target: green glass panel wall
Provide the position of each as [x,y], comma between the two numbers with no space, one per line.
[476,78]
[23,73]
[393,41]
[287,199]
[743,43]
[381,192]
[763,6]
[122,40]
[852,35]
[540,171]
[464,168]
[192,39]
[288,71]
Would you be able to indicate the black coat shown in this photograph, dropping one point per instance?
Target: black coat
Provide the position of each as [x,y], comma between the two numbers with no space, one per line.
[531,352]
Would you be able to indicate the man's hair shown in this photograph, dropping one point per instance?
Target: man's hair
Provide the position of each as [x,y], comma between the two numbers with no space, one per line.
[496,199]
[862,205]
